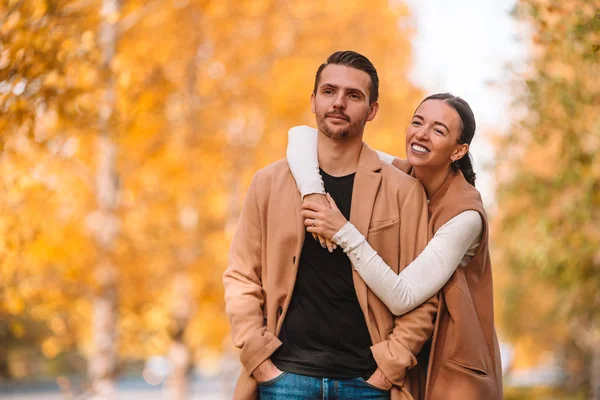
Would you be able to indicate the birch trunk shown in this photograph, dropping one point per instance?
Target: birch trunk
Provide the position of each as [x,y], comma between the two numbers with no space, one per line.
[103,362]
[595,373]
[182,303]
[179,353]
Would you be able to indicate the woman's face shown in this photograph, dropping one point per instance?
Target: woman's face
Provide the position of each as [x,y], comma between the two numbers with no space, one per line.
[432,136]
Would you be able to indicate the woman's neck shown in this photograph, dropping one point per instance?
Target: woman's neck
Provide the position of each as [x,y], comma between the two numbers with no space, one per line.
[432,180]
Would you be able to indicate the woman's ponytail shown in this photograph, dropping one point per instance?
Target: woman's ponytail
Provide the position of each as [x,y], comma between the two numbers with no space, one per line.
[465,164]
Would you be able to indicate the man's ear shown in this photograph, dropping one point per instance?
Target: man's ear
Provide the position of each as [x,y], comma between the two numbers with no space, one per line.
[373,111]
[460,151]
[312,103]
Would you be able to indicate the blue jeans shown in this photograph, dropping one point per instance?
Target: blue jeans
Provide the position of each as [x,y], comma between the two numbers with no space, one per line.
[288,386]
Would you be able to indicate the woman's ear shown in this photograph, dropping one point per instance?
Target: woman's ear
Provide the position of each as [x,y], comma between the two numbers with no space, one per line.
[459,152]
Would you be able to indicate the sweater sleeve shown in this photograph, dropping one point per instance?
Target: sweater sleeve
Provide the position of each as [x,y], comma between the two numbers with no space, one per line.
[385,157]
[303,159]
[423,277]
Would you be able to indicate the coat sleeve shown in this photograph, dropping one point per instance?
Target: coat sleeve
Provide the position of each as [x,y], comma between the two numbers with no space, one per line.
[244,295]
[397,354]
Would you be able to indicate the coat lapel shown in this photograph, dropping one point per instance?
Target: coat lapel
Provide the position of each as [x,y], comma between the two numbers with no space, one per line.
[299,227]
[366,186]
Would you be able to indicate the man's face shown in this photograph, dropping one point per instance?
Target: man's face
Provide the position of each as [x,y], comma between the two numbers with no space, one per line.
[341,103]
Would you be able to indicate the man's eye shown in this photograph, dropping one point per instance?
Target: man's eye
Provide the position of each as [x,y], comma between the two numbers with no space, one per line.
[439,132]
[355,96]
[328,91]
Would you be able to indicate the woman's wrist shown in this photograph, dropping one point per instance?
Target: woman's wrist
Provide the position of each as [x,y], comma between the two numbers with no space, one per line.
[348,237]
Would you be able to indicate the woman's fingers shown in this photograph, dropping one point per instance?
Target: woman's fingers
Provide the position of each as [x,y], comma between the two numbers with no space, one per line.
[330,245]
[310,214]
[309,205]
[332,202]
[323,242]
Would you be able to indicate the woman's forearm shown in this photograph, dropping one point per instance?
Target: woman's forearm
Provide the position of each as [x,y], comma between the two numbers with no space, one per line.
[422,278]
[303,160]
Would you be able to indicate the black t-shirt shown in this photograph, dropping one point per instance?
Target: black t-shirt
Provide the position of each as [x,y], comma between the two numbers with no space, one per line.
[324,333]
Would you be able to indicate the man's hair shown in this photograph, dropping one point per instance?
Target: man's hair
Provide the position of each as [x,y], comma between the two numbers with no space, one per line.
[353,60]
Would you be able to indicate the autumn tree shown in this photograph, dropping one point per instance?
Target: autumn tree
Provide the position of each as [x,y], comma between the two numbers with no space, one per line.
[547,231]
[47,75]
[130,133]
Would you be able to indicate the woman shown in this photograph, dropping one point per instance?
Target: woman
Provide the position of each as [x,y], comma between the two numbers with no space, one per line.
[464,361]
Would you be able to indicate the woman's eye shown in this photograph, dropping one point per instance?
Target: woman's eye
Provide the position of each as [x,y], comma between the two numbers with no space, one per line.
[439,132]
[416,123]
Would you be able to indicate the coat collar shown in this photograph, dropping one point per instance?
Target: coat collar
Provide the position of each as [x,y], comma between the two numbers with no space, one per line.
[368,159]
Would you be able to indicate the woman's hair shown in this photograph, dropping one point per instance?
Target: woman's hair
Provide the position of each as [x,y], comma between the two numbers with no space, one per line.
[467,130]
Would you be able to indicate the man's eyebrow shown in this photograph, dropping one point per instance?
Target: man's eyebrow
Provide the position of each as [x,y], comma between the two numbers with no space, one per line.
[349,89]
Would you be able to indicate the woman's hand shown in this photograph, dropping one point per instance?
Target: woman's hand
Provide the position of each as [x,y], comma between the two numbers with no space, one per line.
[321,199]
[322,220]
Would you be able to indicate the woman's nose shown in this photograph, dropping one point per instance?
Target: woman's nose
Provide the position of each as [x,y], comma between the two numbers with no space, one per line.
[422,133]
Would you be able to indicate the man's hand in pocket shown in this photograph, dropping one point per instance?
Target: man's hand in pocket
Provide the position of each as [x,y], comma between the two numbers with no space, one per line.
[379,380]
[266,371]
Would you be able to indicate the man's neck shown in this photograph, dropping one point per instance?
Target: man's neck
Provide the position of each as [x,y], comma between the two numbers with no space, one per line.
[339,157]
[432,180]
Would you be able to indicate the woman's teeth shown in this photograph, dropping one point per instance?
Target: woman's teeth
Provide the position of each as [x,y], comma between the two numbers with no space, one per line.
[419,149]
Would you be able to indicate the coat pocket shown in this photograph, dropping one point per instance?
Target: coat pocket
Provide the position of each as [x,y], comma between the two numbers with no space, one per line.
[468,348]
[467,368]
[377,226]
[273,380]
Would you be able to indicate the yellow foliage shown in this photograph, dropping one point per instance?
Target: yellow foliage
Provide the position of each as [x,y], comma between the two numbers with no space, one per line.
[51,347]
[17,329]
[205,94]
[547,223]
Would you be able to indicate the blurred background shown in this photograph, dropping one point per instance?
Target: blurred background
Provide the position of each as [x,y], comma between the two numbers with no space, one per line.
[129,131]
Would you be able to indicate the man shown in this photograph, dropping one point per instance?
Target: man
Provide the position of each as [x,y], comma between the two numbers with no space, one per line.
[307,325]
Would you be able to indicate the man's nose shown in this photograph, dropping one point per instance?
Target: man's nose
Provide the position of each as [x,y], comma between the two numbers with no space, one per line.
[339,102]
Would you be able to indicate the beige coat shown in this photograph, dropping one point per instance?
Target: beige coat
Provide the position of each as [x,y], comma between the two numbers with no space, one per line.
[464,362]
[388,207]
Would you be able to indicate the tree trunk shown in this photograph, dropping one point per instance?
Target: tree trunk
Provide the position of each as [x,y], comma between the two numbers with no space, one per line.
[103,363]
[595,373]
[179,353]
[182,305]
[5,374]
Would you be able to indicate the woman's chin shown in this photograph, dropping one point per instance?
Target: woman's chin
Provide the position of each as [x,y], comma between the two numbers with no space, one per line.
[415,160]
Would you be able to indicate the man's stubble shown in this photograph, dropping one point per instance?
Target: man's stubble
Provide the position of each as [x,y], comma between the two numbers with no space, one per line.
[354,129]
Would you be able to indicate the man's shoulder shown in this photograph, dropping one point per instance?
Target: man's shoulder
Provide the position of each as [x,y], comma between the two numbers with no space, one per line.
[399,185]
[393,176]
[277,168]
[276,173]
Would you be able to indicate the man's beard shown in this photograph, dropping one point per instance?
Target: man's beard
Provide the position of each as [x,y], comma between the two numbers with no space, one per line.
[353,129]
